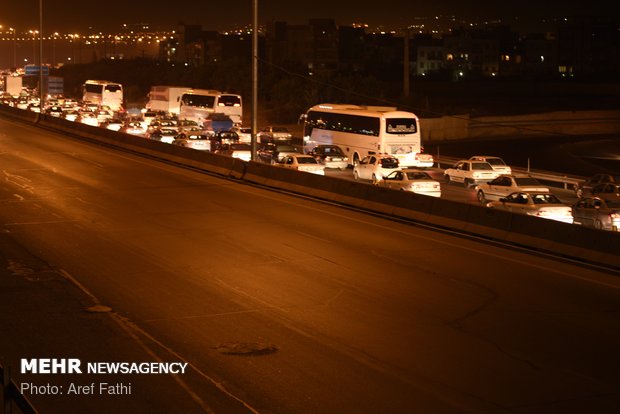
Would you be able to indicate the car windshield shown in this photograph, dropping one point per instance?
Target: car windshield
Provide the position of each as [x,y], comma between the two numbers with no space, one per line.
[285,148]
[545,199]
[524,181]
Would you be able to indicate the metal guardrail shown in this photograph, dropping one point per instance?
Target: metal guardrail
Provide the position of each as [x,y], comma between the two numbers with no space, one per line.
[567,182]
[13,401]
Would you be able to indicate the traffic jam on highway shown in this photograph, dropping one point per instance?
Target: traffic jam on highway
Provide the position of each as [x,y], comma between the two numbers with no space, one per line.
[377,145]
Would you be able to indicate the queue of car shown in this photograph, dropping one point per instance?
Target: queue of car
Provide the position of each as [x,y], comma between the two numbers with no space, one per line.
[493,181]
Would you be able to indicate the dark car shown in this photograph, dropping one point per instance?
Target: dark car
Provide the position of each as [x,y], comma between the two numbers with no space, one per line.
[331,156]
[584,188]
[597,213]
[226,137]
[608,191]
[272,153]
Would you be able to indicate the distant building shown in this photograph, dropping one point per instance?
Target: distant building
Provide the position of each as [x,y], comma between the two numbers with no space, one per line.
[429,54]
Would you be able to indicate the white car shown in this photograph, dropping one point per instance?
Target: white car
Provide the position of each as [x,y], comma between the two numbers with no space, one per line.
[302,162]
[245,134]
[470,172]
[241,150]
[375,167]
[497,163]
[88,118]
[194,141]
[274,133]
[423,160]
[419,182]
[506,184]
[535,203]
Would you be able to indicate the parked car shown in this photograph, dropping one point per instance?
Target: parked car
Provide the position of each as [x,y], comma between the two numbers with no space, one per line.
[413,180]
[302,162]
[331,156]
[584,188]
[272,153]
[236,150]
[506,184]
[497,163]
[195,141]
[470,172]
[375,167]
[273,134]
[597,213]
[535,203]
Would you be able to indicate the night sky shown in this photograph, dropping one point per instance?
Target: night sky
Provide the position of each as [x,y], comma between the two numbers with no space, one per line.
[107,16]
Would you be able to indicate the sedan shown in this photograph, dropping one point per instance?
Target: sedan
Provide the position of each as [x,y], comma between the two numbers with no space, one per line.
[331,156]
[497,163]
[608,191]
[585,187]
[273,134]
[375,167]
[471,172]
[506,184]
[273,153]
[195,141]
[302,162]
[412,180]
[597,213]
[238,150]
[535,203]
[166,135]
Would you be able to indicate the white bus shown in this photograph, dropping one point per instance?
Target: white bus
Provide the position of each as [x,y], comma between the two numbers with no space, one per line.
[198,104]
[166,98]
[103,92]
[363,130]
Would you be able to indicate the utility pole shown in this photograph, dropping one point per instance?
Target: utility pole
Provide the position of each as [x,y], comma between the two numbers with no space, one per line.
[254,77]
[41,94]
[406,64]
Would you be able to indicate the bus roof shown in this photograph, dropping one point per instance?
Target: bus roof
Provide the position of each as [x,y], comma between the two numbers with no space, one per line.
[101,82]
[377,111]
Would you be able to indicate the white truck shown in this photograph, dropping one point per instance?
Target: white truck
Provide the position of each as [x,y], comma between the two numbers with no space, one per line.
[13,85]
[165,98]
